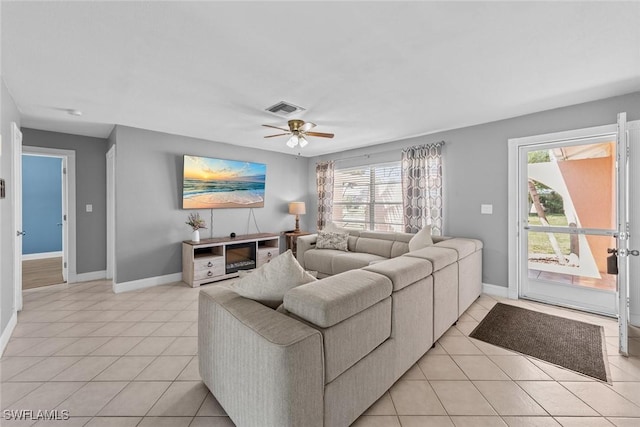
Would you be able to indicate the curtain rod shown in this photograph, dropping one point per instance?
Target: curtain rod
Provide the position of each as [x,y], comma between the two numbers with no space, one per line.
[366,156]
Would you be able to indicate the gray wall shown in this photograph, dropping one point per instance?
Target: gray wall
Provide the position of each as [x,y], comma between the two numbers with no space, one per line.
[475,170]
[8,113]
[91,188]
[150,224]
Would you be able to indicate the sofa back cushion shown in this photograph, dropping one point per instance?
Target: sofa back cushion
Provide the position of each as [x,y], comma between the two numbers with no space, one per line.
[402,271]
[464,247]
[399,248]
[352,243]
[382,243]
[329,301]
[374,246]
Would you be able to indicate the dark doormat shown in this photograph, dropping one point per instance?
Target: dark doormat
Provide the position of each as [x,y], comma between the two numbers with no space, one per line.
[564,342]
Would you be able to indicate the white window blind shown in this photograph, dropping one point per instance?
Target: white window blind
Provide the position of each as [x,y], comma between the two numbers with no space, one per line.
[369,197]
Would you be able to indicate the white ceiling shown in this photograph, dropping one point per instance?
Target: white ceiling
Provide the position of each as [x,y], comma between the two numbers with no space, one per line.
[370,72]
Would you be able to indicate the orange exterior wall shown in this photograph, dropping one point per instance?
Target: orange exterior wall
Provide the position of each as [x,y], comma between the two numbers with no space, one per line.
[591,184]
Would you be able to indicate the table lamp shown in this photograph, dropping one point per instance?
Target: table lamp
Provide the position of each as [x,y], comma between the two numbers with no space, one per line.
[297,209]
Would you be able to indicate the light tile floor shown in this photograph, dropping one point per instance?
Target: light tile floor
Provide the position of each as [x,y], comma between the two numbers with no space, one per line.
[130,360]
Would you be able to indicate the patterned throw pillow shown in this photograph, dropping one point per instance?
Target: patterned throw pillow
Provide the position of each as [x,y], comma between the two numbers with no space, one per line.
[332,240]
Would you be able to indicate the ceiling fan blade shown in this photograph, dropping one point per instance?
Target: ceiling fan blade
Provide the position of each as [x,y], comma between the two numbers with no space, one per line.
[307,126]
[276,127]
[320,134]
[280,134]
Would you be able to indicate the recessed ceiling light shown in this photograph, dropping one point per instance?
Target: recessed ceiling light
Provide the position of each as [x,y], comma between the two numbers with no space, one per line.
[73,112]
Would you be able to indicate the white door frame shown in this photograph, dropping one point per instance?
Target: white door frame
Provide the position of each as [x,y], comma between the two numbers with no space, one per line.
[111,213]
[16,232]
[514,173]
[68,205]
[514,253]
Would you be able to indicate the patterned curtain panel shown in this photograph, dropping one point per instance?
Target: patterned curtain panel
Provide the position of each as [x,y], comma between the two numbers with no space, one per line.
[324,182]
[422,187]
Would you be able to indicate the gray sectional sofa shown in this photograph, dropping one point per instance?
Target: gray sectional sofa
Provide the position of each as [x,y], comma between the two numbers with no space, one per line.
[343,340]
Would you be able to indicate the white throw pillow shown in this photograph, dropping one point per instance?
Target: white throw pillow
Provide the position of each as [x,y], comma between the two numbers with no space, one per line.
[422,239]
[268,283]
[332,240]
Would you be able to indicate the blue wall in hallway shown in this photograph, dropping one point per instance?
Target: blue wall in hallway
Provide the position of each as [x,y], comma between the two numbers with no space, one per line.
[41,204]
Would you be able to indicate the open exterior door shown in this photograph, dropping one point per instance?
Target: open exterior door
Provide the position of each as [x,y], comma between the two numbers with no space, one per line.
[623,235]
[628,238]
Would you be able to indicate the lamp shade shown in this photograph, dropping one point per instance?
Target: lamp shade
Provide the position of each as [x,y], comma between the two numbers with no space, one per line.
[297,208]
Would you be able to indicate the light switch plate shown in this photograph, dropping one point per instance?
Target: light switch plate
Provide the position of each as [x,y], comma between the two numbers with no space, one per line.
[486,209]
[89,208]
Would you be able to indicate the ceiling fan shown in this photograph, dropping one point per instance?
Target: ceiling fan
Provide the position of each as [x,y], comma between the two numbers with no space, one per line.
[299,130]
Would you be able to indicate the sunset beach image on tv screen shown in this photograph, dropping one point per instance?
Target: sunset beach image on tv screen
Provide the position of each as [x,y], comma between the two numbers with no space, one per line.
[216,183]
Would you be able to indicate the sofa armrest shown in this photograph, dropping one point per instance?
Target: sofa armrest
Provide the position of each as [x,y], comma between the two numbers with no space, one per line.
[438,239]
[265,368]
[303,244]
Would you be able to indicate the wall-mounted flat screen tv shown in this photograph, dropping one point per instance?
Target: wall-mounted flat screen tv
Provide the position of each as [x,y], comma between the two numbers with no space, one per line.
[210,183]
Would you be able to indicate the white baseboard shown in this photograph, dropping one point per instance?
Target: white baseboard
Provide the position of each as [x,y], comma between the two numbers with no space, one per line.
[43,255]
[146,283]
[92,275]
[6,334]
[499,291]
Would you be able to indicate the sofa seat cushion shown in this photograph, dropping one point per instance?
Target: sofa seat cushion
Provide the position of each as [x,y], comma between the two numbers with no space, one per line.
[320,260]
[464,247]
[353,260]
[440,257]
[402,271]
[334,299]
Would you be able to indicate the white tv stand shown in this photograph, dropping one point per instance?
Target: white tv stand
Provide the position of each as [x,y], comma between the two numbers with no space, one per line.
[210,260]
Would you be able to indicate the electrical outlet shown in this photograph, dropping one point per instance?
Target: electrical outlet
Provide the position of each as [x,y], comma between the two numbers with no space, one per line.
[89,208]
[486,209]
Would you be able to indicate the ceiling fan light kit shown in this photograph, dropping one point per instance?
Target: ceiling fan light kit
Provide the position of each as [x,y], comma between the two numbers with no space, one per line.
[296,140]
[298,129]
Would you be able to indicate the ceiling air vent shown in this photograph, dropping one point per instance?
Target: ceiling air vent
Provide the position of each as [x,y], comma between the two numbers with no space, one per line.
[284,108]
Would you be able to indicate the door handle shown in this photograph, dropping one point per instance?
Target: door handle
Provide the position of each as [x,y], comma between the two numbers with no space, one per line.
[628,252]
[21,233]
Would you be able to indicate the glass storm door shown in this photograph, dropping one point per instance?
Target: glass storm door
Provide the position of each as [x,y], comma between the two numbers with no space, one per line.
[569,208]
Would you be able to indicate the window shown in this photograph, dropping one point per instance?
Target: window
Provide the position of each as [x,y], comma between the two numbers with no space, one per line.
[369,197]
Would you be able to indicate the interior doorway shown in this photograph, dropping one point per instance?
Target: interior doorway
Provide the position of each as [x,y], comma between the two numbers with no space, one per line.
[43,190]
[45,260]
